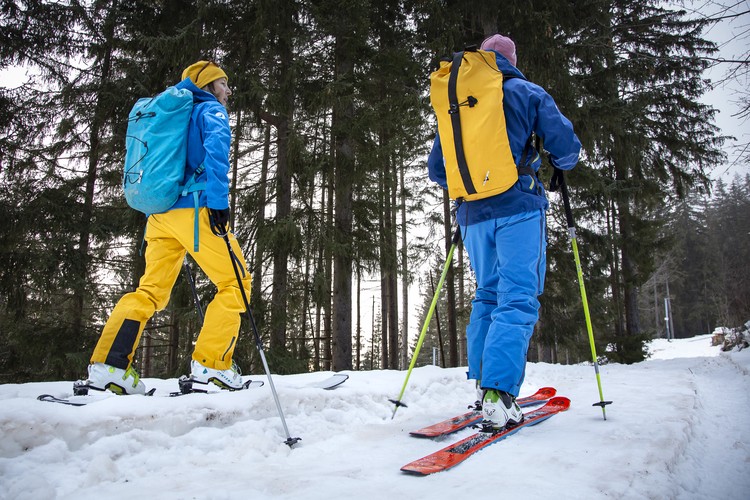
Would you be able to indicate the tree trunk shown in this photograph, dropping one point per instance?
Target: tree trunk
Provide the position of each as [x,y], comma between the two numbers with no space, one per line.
[404,273]
[385,361]
[174,347]
[237,137]
[328,318]
[285,104]
[343,118]
[614,275]
[450,287]
[281,252]
[260,217]
[358,365]
[441,345]
[307,281]
[101,113]
[393,275]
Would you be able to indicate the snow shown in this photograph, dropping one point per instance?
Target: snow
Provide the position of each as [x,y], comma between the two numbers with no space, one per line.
[678,428]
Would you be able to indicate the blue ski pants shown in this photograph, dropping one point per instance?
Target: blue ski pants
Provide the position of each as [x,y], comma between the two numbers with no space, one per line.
[508,255]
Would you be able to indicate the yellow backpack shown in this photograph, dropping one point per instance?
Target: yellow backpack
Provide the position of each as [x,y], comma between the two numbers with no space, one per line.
[467,96]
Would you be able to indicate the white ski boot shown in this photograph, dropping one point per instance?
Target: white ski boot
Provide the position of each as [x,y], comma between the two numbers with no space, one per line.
[230,379]
[106,377]
[500,410]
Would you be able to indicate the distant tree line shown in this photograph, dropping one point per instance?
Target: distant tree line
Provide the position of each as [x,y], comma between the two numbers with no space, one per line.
[331,125]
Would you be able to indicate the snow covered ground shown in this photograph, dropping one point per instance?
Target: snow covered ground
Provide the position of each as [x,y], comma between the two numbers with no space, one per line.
[679,428]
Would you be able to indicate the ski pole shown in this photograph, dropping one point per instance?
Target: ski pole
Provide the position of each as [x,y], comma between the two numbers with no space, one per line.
[197,301]
[220,230]
[558,181]
[448,260]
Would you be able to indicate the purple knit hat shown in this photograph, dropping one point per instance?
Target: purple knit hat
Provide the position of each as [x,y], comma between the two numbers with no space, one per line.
[502,44]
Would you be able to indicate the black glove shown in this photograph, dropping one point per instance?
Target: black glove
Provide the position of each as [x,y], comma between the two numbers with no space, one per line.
[219,217]
[557,180]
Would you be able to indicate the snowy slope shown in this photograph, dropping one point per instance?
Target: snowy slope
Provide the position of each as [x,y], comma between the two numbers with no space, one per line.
[678,428]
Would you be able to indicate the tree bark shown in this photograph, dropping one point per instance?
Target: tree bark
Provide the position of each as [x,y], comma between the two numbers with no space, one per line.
[343,118]
[404,273]
[450,279]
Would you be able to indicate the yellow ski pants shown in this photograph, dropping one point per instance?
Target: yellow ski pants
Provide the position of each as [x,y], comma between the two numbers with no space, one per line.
[169,235]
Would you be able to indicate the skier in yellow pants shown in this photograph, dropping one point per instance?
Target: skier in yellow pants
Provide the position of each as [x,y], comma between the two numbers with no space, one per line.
[167,241]
[172,233]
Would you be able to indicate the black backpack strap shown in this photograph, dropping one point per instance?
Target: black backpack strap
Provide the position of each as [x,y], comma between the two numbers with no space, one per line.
[524,166]
[463,167]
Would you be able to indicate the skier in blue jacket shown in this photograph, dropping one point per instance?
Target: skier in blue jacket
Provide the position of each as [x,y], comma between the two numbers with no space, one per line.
[505,237]
[169,235]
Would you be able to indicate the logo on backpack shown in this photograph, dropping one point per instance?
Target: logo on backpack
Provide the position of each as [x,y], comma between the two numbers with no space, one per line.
[467,96]
[156,150]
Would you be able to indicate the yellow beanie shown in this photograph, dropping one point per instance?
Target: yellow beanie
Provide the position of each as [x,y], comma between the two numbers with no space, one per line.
[203,72]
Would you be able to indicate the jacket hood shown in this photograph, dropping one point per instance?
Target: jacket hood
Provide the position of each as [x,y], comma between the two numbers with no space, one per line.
[198,94]
[506,67]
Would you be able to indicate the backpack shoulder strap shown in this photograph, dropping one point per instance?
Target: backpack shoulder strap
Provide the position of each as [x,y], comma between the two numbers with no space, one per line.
[463,167]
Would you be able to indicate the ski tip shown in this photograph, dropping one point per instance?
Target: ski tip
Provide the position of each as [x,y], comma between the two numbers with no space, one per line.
[417,472]
[253,383]
[547,392]
[52,399]
[430,465]
[559,403]
[437,462]
[334,381]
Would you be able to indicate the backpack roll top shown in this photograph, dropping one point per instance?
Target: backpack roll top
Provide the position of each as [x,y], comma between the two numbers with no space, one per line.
[156,150]
[466,94]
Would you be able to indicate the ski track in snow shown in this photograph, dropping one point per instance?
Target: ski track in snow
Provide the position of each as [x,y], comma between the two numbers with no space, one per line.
[677,430]
[718,432]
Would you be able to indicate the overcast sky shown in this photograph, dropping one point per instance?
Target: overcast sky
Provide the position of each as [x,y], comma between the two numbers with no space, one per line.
[733,39]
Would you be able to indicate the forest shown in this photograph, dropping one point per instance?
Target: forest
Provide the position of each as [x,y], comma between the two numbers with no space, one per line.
[330,199]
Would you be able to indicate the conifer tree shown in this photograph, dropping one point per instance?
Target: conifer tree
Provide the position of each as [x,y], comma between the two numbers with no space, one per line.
[652,141]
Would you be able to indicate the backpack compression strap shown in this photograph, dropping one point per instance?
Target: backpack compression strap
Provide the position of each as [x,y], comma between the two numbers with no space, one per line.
[195,187]
[524,166]
[463,168]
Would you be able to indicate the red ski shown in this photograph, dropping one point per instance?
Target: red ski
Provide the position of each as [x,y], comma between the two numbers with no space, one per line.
[462,421]
[459,451]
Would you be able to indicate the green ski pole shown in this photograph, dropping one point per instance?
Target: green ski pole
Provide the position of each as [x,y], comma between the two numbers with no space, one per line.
[448,260]
[558,180]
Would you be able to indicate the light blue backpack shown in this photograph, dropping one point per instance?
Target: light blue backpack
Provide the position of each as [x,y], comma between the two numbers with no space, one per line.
[156,153]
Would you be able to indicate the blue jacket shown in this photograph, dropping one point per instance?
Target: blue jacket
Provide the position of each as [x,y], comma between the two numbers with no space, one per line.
[528,108]
[209,139]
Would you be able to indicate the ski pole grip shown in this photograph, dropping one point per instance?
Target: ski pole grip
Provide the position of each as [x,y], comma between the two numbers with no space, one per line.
[566,203]
[456,235]
[556,180]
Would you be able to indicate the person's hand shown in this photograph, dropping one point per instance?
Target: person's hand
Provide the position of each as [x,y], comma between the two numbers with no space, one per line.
[219,218]
[557,180]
